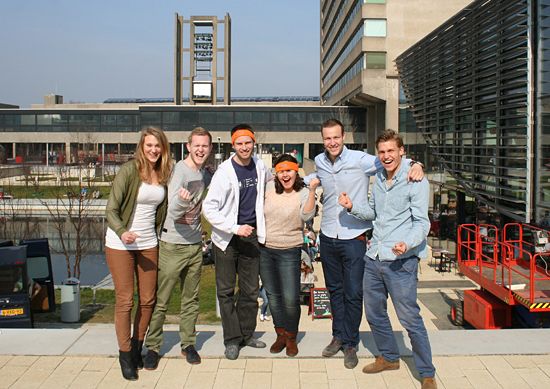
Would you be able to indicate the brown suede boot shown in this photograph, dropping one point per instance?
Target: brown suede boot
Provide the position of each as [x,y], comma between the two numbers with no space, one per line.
[429,383]
[379,365]
[280,342]
[291,346]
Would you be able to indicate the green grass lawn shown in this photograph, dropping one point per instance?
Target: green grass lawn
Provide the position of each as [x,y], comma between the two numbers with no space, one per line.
[103,309]
[49,192]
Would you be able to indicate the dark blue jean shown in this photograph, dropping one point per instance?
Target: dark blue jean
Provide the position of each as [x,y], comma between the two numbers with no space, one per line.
[280,273]
[399,279]
[343,266]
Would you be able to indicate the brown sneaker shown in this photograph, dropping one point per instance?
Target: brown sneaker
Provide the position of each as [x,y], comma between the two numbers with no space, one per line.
[429,383]
[380,364]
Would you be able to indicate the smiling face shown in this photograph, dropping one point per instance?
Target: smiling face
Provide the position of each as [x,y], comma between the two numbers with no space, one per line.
[244,147]
[287,178]
[390,155]
[152,149]
[199,150]
[333,140]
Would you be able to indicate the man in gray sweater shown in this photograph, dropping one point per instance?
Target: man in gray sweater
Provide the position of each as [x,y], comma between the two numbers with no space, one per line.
[180,249]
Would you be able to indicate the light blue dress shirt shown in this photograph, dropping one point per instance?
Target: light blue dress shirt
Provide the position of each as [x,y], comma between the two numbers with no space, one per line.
[400,214]
[349,173]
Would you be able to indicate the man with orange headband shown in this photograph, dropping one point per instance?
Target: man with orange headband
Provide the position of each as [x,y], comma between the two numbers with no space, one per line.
[234,207]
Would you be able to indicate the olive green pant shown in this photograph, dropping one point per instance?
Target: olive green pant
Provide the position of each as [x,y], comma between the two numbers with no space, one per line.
[177,262]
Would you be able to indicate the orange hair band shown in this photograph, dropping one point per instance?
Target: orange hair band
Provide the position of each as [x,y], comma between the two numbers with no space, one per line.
[286,165]
[243,132]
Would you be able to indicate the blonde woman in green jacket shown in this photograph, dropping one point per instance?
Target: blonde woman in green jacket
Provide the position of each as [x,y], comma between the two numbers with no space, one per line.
[135,213]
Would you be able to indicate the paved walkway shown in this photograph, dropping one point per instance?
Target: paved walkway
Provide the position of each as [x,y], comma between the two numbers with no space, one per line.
[84,356]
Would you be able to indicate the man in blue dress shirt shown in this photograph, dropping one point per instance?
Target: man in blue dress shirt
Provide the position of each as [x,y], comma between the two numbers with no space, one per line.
[342,237]
[400,212]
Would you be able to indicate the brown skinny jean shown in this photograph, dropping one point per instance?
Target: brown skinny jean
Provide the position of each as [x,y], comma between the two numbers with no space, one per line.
[123,264]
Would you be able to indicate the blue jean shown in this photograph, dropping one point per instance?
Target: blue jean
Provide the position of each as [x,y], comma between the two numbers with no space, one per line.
[280,273]
[398,279]
[343,267]
[263,296]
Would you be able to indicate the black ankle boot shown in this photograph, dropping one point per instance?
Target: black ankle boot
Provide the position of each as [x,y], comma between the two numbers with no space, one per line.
[129,371]
[137,359]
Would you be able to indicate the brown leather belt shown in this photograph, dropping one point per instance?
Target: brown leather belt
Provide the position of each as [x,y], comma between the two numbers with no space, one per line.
[361,237]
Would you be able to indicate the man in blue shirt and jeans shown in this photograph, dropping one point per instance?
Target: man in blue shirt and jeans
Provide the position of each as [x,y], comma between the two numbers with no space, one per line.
[400,211]
[342,238]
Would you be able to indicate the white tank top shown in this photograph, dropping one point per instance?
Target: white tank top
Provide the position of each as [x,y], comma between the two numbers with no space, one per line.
[142,222]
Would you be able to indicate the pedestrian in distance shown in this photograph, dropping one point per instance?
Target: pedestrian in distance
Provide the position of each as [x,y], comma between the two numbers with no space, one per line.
[135,213]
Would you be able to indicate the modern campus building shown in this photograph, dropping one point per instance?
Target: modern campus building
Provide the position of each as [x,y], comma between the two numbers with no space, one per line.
[478,89]
[360,40]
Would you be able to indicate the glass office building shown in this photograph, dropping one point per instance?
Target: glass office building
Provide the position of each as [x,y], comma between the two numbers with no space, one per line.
[477,87]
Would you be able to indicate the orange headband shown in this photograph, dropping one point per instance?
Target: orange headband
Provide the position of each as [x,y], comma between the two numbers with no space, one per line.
[242,132]
[286,165]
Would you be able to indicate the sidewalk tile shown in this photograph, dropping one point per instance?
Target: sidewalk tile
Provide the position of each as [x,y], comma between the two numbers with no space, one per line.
[398,381]
[285,380]
[545,369]
[535,378]
[309,385]
[31,379]
[259,365]
[22,360]
[47,362]
[502,372]
[113,379]
[100,364]
[4,359]
[447,367]
[336,370]
[342,384]
[59,380]
[10,374]
[206,365]
[88,379]
[481,379]
[314,364]
[200,380]
[72,365]
[229,364]
[315,378]
[519,361]
[254,380]
[371,381]
[286,365]
[455,383]
[227,379]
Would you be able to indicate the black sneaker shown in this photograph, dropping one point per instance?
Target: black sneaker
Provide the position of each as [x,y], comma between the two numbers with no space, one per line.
[151,360]
[350,357]
[191,355]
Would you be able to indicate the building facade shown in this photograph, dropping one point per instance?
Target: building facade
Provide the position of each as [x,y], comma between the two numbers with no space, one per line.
[360,40]
[478,89]
[74,132]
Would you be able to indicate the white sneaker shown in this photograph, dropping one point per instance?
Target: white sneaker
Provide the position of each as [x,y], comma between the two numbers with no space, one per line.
[262,317]
[266,318]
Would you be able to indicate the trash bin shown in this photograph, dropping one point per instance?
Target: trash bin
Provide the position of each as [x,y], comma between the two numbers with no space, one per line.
[70,300]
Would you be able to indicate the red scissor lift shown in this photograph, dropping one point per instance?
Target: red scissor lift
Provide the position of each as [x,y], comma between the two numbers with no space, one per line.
[512,268]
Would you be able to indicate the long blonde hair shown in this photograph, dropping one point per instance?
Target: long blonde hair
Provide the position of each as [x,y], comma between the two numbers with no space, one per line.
[163,166]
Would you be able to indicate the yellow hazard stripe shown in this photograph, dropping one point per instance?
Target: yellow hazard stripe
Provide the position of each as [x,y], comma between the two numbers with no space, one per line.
[539,306]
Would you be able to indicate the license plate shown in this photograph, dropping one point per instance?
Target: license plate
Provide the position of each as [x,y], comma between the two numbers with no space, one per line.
[11,312]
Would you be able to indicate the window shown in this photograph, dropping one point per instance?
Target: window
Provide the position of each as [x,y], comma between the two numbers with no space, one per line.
[375,27]
[376,60]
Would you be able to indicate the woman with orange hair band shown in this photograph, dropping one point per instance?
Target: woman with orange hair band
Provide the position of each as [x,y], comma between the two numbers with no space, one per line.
[288,204]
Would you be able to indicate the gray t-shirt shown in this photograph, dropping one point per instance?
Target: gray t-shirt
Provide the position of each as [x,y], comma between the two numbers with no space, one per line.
[183,219]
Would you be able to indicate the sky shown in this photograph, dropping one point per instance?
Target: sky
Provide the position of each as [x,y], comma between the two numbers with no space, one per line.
[89,51]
